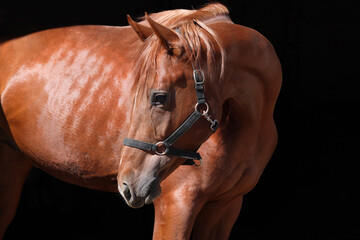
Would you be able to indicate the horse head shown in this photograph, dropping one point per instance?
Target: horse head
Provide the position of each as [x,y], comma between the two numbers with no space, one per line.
[175,106]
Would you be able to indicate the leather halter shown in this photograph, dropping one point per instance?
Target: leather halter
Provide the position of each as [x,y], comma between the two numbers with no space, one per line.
[164,147]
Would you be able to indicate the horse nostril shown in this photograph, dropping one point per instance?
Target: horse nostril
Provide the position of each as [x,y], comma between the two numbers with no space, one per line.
[126,191]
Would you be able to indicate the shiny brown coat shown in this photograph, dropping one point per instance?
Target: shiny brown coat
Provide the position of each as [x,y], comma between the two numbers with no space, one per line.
[68,101]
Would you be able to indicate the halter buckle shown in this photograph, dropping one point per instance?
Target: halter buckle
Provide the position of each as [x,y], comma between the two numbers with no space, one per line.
[199,77]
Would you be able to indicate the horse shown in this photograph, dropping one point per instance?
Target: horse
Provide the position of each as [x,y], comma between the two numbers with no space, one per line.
[175,110]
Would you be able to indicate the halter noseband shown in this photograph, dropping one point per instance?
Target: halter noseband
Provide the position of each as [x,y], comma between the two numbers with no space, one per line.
[158,148]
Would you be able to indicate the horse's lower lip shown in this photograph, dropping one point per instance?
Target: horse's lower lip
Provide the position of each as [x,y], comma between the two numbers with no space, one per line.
[155,193]
[148,199]
[135,206]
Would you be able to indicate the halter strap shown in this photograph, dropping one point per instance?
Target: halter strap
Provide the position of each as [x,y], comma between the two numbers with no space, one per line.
[152,147]
[184,127]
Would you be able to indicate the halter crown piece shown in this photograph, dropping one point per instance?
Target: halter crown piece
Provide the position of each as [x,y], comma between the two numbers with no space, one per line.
[164,147]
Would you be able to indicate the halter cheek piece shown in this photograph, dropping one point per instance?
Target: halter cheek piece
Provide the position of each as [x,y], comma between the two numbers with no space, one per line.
[164,147]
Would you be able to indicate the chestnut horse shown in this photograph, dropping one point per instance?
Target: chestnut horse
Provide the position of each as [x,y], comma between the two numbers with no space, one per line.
[122,108]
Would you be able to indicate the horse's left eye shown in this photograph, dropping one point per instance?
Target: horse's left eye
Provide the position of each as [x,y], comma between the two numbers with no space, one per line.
[159,99]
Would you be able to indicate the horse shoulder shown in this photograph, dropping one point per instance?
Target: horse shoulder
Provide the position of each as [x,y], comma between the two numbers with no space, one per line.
[261,69]
[249,55]
[252,83]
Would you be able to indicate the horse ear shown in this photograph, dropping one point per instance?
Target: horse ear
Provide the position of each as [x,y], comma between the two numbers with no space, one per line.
[165,34]
[142,31]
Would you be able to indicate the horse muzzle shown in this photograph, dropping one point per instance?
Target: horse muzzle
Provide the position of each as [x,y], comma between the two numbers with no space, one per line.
[137,194]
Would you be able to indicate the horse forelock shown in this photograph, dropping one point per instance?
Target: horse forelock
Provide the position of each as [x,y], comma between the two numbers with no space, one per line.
[194,34]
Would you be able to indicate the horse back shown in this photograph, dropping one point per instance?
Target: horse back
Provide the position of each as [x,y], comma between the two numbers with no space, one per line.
[64,95]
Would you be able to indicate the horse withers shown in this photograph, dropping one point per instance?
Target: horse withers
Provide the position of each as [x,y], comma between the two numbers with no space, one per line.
[123,108]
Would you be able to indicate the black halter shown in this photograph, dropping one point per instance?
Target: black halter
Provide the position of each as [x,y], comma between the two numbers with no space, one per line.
[166,144]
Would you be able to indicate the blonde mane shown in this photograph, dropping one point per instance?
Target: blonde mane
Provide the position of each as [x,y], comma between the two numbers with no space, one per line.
[193,32]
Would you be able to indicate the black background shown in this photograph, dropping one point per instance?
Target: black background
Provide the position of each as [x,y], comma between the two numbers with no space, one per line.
[310,189]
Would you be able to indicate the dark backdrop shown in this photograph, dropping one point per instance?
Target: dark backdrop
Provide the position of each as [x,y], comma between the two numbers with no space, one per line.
[310,189]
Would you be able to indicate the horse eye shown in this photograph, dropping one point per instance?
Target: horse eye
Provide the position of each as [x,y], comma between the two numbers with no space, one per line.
[158,99]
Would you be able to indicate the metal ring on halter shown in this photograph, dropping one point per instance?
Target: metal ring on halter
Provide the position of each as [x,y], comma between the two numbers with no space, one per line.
[198,165]
[207,107]
[158,144]
[202,76]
